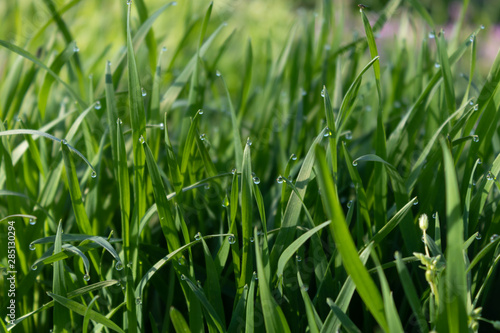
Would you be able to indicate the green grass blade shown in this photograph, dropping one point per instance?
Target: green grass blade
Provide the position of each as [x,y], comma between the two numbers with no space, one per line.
[349,326]
[81,309]
[274,318]
[59,286]
[246,219]
[250,309]
[180,324]
[238,149]
[455,287]
[345,245]
[212,318]
[312,316]
[164,211]
[138,122]
[34,59]
[294,247]
[449,90]
[75,192]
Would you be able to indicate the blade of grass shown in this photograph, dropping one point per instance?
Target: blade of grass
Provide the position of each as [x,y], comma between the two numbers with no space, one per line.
[345,245]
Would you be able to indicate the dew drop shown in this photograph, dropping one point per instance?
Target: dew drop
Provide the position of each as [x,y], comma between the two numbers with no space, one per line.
[304,287]
[252,240]
[323,92]
[197,236]
[138,301]
[34,267]
[493,238]
[119,266]
[437,65]
[327,132]
[51,330]
[473,183]
[245,287]
[119,121]
[206,187]
[129,2]
[280,179]
[479,161]
[97,105]
[482,27]
[225,202]
[423,239]
[471,103]
[64,142]
[475,138]
[75,48]
[162,126]
[183,277]
[354,163]
[32,221]
[298,258]
[349,204]
[181,261]
[476,107]
[231,239]
[255,276]
[478,236]
[217,73]
[202,137]
[32,247]
[86,277]
[174,3]
[93,174]
[434,215]
[233,171]
[348,135]
[200,111]
[293,157]
[164,49]
[249,142]
[303,92]
[490,176]
[432,35]
[415,202]
[129,265]
[471,38]
[143,92]
[256,180]
[368,108]
[141,139]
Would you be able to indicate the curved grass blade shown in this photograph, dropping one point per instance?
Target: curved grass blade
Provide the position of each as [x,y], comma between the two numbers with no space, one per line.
[86,317]
[294,247]
[81,309]
[345,245]
[34,59]
[57,64]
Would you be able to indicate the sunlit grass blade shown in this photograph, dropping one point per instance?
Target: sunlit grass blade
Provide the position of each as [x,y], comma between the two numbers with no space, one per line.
[455,287]
[345,245]
[180,324]
[35,60]
[449,90]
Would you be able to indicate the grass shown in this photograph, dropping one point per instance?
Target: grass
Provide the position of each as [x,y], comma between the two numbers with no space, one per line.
[317,183]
